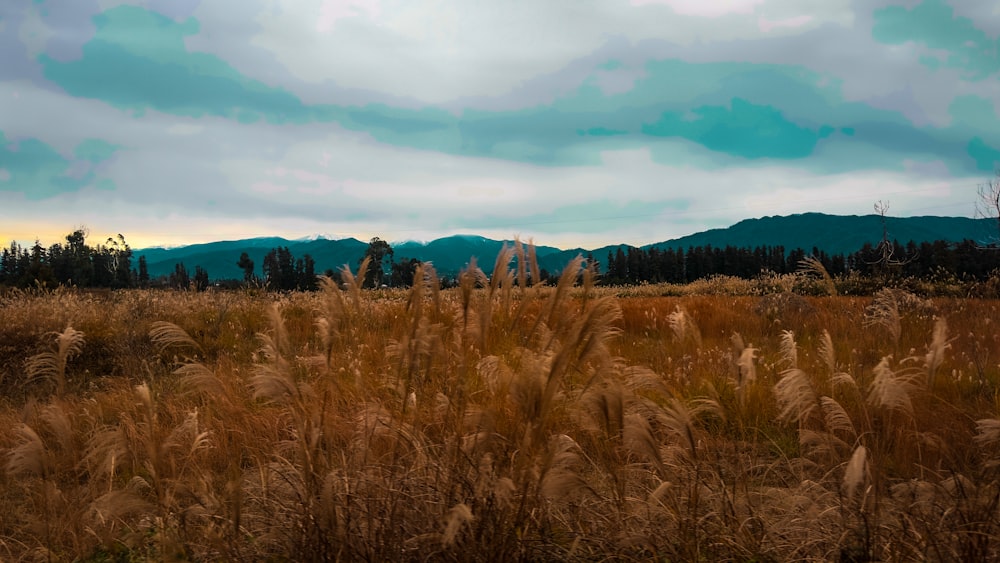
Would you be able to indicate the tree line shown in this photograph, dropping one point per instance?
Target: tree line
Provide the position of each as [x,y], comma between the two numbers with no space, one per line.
[966,260]
[79,264]
[71,263]
[109,265]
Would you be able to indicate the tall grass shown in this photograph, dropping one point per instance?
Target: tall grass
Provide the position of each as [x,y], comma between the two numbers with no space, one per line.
[499,420]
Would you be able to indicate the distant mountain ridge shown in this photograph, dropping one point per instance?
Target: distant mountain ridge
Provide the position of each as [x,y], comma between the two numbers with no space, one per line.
[833,234]
[836,234]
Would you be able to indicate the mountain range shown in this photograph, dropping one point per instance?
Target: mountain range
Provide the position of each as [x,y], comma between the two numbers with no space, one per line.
[833,234]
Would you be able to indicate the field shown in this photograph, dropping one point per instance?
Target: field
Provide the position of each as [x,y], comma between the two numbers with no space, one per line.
[499,421]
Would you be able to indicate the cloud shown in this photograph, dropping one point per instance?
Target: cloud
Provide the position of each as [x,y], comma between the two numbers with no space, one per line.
[36,171]
[767,25]
[137,60]
[934,25]
[743,110]
[749,110]
[452,51]
[330,11]
[597,216]
[698,8]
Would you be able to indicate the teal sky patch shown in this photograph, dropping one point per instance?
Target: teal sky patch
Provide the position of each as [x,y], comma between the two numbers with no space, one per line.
[95,150]
[106,185]
[544,135]
[39,172]
[743,129]
[138,60]
[975,114]
[602,132]
[987,158]
[934,25]
[401,121]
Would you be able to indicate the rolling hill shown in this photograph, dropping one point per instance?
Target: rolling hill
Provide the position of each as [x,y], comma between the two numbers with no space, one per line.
[834,234]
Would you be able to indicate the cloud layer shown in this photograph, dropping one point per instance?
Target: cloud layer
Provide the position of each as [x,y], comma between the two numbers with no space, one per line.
[578,124]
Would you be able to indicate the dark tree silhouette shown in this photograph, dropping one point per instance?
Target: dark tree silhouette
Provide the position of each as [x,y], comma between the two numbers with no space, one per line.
[246,264]
[381,254]
[179,279]
[143,277]
[200,280]
[402,272]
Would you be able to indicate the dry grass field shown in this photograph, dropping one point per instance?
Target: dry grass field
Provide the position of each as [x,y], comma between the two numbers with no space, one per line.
[498,421]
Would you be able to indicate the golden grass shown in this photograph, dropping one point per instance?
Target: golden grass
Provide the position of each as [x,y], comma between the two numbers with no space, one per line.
[499,420]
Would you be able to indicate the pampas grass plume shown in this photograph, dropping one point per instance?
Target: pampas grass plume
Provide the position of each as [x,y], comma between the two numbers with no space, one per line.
[51,365]
[854,474]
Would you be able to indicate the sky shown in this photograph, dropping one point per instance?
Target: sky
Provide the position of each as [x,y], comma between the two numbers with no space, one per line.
[574,123]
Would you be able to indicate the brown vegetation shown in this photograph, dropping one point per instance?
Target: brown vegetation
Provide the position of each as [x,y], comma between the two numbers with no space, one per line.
[499,421]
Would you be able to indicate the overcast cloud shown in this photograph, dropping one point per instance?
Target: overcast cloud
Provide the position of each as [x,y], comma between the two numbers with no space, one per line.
[576,123]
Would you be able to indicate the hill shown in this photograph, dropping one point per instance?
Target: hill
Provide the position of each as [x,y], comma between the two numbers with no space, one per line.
[834,234]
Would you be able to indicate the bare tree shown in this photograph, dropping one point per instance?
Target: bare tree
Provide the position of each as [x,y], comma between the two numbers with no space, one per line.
[988,205]
[886,249]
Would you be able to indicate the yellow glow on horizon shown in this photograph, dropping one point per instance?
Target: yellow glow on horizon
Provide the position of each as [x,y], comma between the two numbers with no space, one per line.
[25,234]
